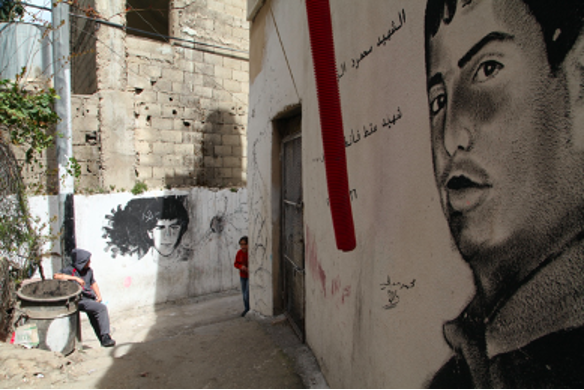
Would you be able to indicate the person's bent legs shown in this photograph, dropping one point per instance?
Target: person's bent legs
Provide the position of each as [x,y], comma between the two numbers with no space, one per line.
[99,319]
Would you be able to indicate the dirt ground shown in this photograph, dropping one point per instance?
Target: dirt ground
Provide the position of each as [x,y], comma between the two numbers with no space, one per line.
[196,343]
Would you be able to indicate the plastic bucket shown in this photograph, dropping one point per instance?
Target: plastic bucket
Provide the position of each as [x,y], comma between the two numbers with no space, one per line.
[53,306]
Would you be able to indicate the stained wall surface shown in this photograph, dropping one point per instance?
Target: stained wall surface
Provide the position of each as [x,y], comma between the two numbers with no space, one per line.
[474,133]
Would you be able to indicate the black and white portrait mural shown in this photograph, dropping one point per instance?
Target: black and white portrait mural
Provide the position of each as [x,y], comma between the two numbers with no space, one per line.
[505,83]
[145,225]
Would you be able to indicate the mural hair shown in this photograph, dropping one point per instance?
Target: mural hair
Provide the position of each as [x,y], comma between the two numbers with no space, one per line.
[560,21]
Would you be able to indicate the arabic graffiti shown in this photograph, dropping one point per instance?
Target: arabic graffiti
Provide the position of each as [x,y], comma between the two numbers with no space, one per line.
[393,29]
[388,122]
[382,40]
[392,291]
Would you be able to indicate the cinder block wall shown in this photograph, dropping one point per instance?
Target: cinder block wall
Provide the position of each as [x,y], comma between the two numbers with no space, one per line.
[173,114]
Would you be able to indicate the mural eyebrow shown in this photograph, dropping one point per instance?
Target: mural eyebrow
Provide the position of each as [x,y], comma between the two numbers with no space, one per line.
[494,36]
[434,80]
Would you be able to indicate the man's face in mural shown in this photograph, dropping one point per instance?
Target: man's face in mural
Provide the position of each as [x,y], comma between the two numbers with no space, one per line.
[165,236]
[506,162]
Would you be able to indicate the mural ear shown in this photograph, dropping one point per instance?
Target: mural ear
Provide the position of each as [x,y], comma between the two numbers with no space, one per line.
[574,68]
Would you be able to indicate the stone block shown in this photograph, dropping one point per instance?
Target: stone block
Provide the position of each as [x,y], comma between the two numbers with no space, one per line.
[225,172]
[183,150]
[191,137]
[232,162]
[143,147]
[206,69]
[212,162]
[173,75]
[138,81]
[216,5]
[171,111]
[236,12]
[162,148]
[144,172]
[162,123]
[162,85]
[182,88]
[86,153]
[232,63]
[233,140]
[213,139]
[167,98]
[241,75]
[238,151]
[161,172]
[154,183]
[222,95]
[172,136]
[146,134]
[223,73]
[194,79]
[172,160]
[214,59]
[151,71]
[150,160]
[194,55]
[203,92]
[233,86]
[146,96]
[148,109]
[222,150]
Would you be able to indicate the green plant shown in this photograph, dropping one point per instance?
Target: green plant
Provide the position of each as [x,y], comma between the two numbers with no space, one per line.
[28,116]
[139,188]
[10,10]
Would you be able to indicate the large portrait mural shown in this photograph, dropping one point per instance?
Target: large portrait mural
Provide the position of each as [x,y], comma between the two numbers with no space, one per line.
[505,83]
[155,225]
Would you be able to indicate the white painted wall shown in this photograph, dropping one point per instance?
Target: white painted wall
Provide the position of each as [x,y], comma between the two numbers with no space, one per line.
[401,231]
[201,264]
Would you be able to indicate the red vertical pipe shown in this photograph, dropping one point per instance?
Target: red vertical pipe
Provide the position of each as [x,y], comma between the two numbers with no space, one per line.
[331,121]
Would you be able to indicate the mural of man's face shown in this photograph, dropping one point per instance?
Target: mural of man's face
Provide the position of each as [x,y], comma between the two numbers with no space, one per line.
[505,165]
[165,235]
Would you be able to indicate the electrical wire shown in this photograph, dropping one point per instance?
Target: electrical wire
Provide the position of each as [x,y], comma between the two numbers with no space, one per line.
[153,34]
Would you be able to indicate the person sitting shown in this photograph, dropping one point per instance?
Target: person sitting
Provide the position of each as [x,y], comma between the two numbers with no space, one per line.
[90,303]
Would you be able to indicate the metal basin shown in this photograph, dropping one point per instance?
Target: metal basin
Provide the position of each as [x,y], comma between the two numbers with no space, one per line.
[53,306]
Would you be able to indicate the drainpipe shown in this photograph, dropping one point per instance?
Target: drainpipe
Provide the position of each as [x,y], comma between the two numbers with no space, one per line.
[64,139]
[331,121]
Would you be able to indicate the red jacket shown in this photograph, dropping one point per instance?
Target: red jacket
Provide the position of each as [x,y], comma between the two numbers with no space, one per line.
[240,261]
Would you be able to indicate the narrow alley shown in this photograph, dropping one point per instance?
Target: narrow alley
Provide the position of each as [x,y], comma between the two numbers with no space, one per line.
[194,343]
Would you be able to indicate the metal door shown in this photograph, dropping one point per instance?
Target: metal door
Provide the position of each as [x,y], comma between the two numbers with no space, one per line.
[293,232]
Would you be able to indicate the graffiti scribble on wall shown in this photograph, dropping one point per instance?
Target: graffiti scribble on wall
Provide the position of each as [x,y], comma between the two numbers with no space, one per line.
[505,87]
[392,289]
[147,224]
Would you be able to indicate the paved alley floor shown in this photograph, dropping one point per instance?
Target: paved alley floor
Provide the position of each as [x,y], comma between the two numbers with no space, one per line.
[195,343]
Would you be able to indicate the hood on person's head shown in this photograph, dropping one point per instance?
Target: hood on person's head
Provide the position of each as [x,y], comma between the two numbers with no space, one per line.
[80,258]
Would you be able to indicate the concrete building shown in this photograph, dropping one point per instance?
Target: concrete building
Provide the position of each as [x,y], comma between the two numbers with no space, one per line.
[374,316]
[159,94]
[160,97]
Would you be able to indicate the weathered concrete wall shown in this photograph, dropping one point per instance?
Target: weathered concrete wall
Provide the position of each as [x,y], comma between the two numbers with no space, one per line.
[87,141]
[173,114]
[132,268]
[373,316]
[83,49]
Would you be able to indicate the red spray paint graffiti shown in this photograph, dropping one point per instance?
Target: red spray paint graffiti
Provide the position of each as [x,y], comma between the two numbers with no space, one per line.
[314,266]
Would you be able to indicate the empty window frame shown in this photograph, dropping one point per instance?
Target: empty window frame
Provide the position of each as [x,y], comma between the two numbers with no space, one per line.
[148,19]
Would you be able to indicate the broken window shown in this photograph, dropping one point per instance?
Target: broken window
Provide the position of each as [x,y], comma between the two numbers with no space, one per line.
[148,19]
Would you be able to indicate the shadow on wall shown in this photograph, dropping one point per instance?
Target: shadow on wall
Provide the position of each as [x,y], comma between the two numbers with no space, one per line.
[192,239]
[223,149]
[217,158]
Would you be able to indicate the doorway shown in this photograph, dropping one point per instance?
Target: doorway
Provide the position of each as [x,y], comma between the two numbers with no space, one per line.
[292,224]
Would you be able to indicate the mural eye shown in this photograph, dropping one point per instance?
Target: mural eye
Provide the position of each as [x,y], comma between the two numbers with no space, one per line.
[437,104]
[487,70]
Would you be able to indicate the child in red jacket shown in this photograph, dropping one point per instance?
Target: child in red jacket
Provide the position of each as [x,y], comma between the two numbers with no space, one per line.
[241,264]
